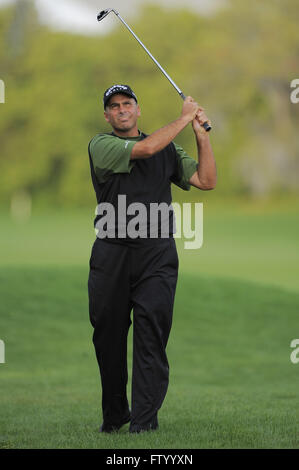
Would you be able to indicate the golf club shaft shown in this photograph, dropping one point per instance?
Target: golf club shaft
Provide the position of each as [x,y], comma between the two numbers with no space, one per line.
[205,125]
[152,57]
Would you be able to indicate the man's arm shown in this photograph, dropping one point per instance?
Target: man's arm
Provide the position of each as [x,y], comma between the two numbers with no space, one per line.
[162,137]
[205,177]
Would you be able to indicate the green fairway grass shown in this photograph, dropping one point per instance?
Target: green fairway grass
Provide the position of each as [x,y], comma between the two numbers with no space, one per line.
[232,384]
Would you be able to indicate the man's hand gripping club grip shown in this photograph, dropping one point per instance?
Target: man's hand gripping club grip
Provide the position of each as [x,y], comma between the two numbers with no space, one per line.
[205,125]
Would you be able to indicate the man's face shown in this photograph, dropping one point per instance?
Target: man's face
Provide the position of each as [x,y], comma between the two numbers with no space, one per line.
[122,112]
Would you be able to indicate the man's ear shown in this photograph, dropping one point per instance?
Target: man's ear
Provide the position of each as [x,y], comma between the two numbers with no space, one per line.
[106,116]
[138,110]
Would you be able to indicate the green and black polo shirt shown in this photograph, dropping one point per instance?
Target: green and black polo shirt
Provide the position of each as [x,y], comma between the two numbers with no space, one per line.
[143,181]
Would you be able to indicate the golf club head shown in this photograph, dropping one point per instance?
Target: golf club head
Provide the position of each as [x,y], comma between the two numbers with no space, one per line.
[103,13]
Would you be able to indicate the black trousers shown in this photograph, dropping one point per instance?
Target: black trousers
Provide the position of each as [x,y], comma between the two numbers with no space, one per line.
[141,277]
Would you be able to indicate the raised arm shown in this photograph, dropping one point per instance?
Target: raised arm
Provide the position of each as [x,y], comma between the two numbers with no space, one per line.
[162,137]
[205,177]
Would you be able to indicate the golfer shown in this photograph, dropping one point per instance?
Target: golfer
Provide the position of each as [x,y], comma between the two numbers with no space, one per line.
[137,273]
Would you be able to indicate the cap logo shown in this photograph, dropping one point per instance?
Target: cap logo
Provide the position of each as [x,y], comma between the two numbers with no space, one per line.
[115,87]
[125,89]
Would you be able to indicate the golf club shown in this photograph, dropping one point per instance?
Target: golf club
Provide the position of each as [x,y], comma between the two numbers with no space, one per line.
[106,12]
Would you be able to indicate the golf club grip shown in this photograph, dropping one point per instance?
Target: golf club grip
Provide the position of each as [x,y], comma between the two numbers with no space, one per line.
[205,125]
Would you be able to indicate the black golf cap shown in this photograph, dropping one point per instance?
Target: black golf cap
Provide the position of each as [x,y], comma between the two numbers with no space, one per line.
[113,90]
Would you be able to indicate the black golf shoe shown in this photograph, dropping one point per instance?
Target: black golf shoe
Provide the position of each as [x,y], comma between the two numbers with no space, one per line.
[114,427]
[152,426]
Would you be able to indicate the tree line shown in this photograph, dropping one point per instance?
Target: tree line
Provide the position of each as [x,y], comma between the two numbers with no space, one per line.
[238,63]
